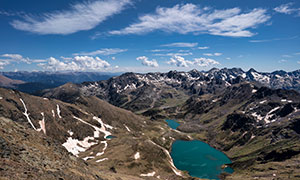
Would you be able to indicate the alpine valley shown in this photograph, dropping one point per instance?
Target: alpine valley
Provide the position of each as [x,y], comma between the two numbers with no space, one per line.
[115,129]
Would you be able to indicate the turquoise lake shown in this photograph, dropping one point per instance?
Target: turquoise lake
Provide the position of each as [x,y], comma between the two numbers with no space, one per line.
[198,158]
[172,123]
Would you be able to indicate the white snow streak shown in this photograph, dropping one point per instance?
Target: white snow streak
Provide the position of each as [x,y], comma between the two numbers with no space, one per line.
[100,160]
[175,170]
[58,110]
[127,128]
[53,113]
[1,98]
[42,124]
[149,174]
[103,127]
[88,157]
[105,146]
[26,114]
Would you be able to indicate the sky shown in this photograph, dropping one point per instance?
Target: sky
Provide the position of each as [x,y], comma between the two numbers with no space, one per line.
[149,35]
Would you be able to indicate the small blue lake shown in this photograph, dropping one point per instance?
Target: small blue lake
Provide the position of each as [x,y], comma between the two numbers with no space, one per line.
[198,158]
[172,123]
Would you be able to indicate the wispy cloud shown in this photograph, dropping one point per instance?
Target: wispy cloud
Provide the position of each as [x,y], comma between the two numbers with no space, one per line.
[212,54]
[282,61]
[174,54]
[80,17]
[287,9]
[146,62]
[270,40]
[161,50]
[182,62]
[190,18]
[180,44]
[104,51]
[287,56]
[204,47]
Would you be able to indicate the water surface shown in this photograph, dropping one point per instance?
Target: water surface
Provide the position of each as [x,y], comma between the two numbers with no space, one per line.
[199,159]
[172,123]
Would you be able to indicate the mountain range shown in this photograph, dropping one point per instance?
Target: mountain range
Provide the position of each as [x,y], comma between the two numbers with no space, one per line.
[115,128]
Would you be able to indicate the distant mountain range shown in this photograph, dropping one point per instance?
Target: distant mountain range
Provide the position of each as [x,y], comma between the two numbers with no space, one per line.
[31,82]
[136,92]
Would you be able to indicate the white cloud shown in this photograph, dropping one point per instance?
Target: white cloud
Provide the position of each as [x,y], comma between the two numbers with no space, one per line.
[212,54]
[180,44]
[190,18]
[3,63]
[16,57]
[228,58]
[298,62]
[285,8]
[104,51]
[146,62]
[179,61]
[113,58]
[202,62]
[78,63]
[81,16]
[204,47]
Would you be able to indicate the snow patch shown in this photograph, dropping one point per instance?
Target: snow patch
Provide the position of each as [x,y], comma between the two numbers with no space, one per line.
[103,150]
[58,111]
[42,124]
[103,127]
[45,98]
[26,114]
[254,90]
[257,116]
[149,174]
[270,115]
[100,160]
[88,157]
[137,156]
[1,98]
[75,146]
[70,132]
[262,102]
[127,128]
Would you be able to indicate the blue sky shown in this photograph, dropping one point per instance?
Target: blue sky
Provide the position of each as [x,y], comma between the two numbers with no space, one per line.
[149,35]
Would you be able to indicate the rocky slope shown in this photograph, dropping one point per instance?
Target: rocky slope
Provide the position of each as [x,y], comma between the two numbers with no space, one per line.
[7,82]
[106,141]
